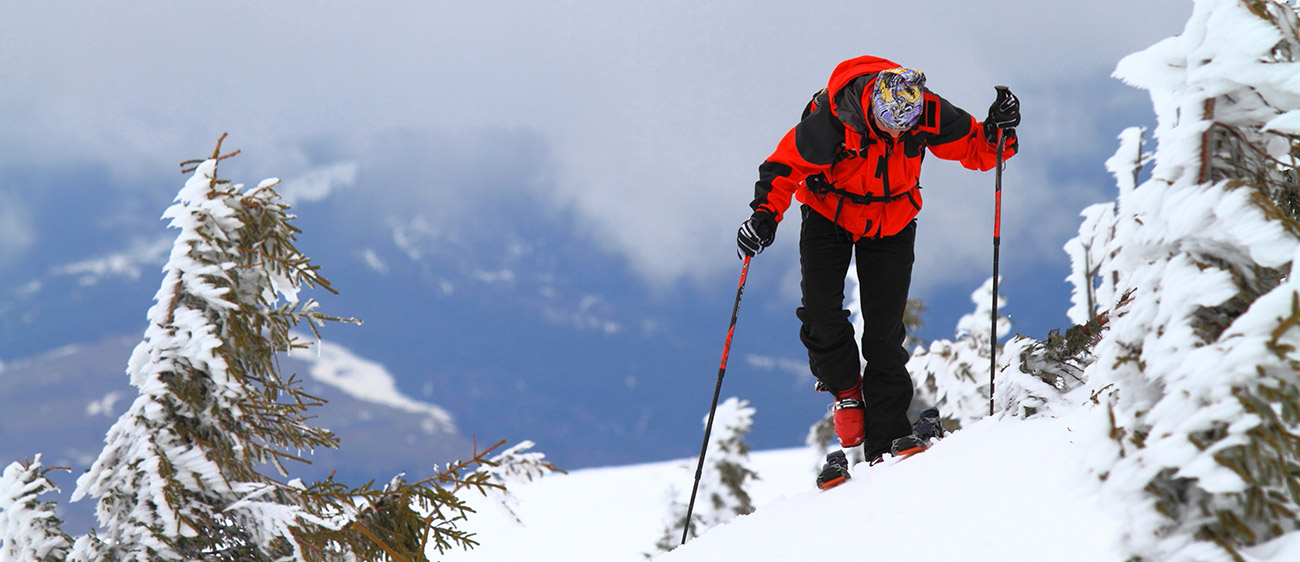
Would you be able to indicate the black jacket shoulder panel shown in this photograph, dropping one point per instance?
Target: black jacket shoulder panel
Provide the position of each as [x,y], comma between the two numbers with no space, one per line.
[953,123]
[818,136]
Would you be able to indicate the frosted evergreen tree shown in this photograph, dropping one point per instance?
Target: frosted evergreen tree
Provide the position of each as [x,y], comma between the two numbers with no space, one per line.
[29,528]
[1091,250]
[181,474]
[1197,378]
[516,465]
[1040,373]
[722,493]
[953,375]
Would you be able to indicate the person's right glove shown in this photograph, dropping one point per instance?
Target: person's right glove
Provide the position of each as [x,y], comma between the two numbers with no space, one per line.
[1003,114]
[755,234]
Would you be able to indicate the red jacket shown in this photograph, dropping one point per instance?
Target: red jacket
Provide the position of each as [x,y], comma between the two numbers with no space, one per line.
[838,163]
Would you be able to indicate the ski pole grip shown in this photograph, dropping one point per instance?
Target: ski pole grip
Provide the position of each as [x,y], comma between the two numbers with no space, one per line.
[1005,109]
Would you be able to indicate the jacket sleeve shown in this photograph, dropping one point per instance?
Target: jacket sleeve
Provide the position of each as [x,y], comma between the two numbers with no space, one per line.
[809,148]
[960,137]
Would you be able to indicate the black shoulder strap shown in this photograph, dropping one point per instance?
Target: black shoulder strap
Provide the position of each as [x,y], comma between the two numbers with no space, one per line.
[812,104]
[819,136]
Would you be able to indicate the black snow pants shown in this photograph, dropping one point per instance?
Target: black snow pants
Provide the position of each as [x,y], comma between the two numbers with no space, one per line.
[884,272]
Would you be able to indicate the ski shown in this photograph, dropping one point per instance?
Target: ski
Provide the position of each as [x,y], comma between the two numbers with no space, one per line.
[835,472]
[836,469]
[926,428]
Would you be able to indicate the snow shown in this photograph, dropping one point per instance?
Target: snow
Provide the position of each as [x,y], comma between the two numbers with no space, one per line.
[369,381]
[1181,369]
[1288,123]
[1001,489]
[23,518]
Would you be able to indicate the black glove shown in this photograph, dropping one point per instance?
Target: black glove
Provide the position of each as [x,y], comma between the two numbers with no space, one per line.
[1003,114]
[755,234]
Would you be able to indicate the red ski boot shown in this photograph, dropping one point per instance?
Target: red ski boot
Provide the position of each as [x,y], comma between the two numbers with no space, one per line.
[849,423]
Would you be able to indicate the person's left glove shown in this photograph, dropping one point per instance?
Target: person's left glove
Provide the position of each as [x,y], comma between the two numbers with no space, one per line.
[755,234]
[1003,114]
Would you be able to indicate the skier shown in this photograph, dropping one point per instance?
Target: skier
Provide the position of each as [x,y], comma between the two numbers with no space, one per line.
[854,162]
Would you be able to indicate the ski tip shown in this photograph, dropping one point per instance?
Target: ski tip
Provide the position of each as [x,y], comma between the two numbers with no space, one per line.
[909,452]
[831,483]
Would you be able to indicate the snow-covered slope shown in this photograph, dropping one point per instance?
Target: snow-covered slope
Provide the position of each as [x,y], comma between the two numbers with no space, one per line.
[1001,490]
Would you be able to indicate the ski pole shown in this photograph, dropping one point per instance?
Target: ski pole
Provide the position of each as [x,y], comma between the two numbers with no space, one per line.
[717,389]
[997,241]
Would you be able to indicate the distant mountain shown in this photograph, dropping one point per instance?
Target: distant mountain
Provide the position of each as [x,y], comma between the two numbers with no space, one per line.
[61,404]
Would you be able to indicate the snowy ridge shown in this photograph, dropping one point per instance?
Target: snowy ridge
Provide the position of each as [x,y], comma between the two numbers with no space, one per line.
[1013,476]
[1002,489]
[368,381]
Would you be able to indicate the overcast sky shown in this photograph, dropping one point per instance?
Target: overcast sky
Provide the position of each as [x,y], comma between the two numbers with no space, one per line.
[645,121]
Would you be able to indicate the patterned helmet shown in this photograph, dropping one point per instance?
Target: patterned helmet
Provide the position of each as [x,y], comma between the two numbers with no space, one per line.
[896,97]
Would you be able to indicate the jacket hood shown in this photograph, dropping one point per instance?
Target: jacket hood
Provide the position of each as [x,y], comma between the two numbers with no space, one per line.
[846,71]
[853,113]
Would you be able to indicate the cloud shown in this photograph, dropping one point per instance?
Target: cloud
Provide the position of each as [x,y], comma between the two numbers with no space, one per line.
[798,370]
[374,262]
[17,232]
[126,264]
[318,183]
[651,118]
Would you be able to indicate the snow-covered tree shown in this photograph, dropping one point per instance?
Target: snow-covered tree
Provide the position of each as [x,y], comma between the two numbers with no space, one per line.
[1197,380]
[722,492]
[1040,374]
[181,476]
[29,528]
[1091,250]
[953,375]
[514,466]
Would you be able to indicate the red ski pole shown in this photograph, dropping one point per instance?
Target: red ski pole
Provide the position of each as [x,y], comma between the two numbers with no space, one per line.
[717,389]
[997,241]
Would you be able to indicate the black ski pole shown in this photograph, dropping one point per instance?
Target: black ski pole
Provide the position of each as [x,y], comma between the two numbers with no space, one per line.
[997,241]
[708,426]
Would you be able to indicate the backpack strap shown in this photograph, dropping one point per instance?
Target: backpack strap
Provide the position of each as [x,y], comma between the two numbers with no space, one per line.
[818,184]
[812,104]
